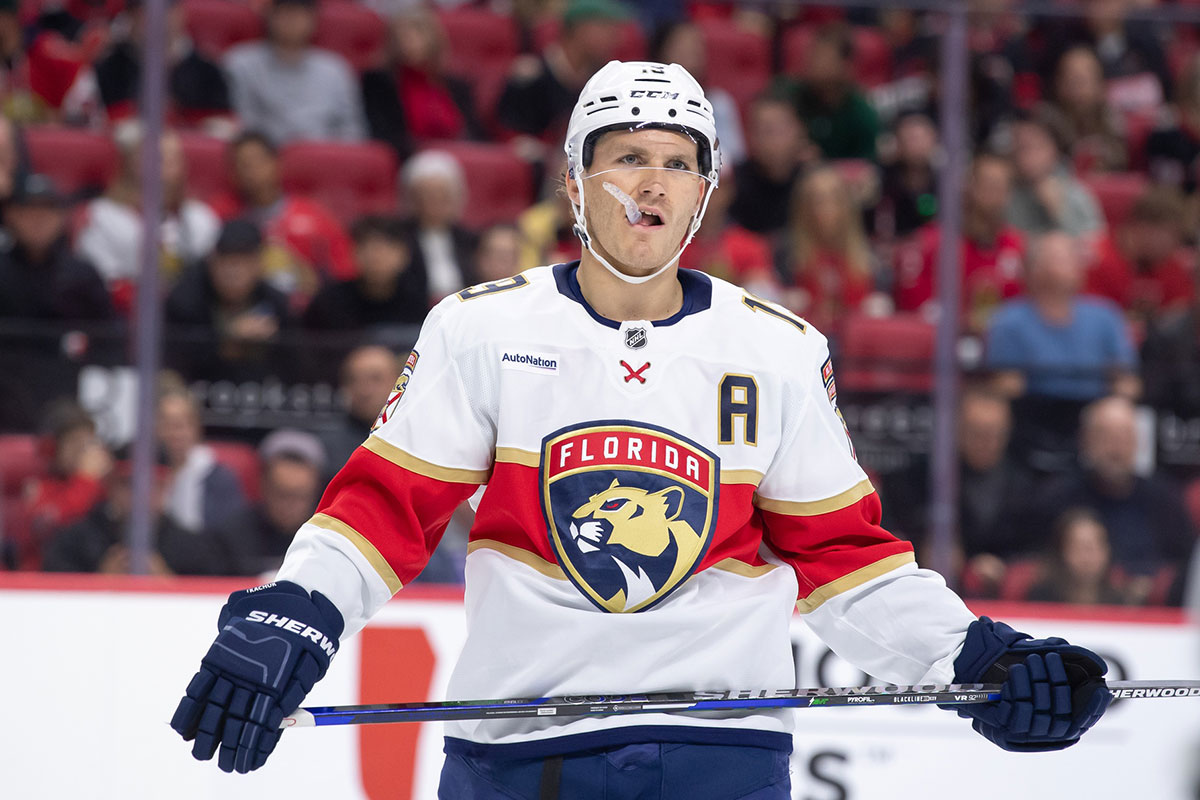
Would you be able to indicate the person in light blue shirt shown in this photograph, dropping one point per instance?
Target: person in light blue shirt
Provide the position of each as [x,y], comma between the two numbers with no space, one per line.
[1055,343]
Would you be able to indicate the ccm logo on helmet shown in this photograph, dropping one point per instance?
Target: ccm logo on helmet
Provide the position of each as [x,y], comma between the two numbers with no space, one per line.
[654,94]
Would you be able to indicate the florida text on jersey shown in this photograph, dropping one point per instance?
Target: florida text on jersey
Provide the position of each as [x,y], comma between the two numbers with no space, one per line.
[660,498]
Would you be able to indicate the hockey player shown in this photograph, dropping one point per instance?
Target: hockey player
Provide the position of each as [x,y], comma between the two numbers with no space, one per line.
[668,480]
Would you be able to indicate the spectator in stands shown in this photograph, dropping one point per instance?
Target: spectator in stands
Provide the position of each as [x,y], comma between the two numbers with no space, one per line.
[1142,266]
[1095,135]
[200,493]
[288,89]
[1053,341]
[1004,74]
[111,237]
[390,289]
[833,107]
[1173,147]
[1171,361]
[96,543]
[826,266]
[227,319]
[727,250]
[993,252]
[498,254]
[78,464]
[368,378]
[541,90]
[196,89]
[306,245]
[1129,50]
[779,149]
[292,466]
[437,192]
[1047,195]
[682,42]
[908,197]
[993,498]
[44,76]
[1054,351]
[14,161]
[40,276]
[1080,561]
[412,99]
[548,226]
[1147,524]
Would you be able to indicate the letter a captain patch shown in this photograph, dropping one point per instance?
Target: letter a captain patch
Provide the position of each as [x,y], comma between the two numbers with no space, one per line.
[398,391]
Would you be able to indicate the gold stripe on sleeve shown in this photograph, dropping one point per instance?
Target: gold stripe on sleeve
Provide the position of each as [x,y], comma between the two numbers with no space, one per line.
[750,476]
[812,508]
[389,451]
[851,581]
[373,556]
[513,455]
[742,568]
[547,568]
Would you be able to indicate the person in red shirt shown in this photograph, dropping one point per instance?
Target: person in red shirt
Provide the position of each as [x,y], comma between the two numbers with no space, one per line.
[1142,266]
[992,255]
[826,266]
[306,245]
[78,463]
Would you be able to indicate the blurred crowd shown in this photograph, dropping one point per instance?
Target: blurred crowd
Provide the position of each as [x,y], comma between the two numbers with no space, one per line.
[331,169]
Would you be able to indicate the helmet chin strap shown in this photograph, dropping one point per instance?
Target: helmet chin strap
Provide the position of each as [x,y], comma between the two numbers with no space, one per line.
[582,232]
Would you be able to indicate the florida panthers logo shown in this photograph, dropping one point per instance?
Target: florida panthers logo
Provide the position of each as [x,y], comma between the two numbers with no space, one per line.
[630,510]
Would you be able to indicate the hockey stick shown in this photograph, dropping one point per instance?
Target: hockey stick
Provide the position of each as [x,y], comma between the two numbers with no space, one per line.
[677,702]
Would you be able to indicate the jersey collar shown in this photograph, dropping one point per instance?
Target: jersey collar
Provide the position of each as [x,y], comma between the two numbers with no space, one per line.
[697,294]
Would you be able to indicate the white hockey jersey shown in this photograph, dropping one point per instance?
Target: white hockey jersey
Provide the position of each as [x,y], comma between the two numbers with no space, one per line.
[661,496]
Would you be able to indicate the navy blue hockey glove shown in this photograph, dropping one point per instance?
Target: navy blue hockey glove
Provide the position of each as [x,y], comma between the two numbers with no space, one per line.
[274,643]
[1051,691]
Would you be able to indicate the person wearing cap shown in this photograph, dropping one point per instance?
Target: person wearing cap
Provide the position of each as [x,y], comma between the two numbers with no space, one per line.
[667,481]
[224,319]
[41,277]
[287,88]
[291,464]
[541,90]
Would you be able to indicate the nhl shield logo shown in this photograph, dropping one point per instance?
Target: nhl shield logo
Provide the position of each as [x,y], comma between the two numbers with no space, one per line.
[630,510]
[635,338]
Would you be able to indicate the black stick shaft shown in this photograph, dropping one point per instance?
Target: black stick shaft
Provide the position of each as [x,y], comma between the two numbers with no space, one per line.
[683,702]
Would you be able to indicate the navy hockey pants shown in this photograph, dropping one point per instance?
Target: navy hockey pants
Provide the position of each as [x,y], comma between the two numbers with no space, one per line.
[631,772]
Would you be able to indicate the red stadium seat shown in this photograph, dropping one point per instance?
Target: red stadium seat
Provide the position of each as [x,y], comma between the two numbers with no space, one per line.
[739,61]
[353,31]
[872,54]
[217,25]
[207,166]
[499,182]
[483,45]
[242,460]
[349,179]
[20,460]
[1117,192]
[79,161]
[888,354]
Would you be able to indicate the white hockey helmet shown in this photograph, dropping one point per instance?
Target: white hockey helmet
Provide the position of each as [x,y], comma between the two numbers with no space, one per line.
[641,94]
